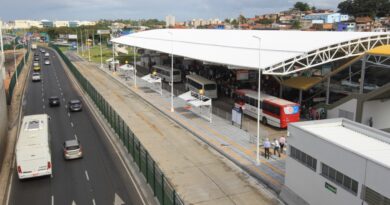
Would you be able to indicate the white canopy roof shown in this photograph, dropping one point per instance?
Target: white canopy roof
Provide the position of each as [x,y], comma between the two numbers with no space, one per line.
[282,52]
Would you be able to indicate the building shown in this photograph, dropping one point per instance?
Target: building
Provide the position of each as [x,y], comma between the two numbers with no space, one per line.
[23,24]
[47,24]
[337,161]
[73,24]
[331,18]
[61,23]
[170,21]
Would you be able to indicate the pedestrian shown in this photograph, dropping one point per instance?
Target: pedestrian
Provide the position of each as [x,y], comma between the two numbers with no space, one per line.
[282,142]
[266,145]
[276,147]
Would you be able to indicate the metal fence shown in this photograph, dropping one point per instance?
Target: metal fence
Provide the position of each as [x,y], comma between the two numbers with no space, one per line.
[162,189]
[14,77]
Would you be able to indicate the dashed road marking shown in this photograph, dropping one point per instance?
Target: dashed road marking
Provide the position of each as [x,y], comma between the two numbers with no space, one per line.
[93,202]
[71,124]
[43,99]
[75,136]
[52,200]
[86,175]
[43,106]
[68,114]
[63,99]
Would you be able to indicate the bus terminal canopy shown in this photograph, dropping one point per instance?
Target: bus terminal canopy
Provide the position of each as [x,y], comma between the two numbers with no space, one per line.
[281,52]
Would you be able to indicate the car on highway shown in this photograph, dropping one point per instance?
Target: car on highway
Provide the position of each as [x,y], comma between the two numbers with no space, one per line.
[72,149]
[75,105]
[37,68]
[36,54]
[36,77]
[47,62]
[35,64]
[42,50]
[47,54]
[54,101]
[36,59]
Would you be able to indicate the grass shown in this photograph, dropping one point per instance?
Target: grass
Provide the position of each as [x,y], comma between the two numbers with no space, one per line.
[107,54]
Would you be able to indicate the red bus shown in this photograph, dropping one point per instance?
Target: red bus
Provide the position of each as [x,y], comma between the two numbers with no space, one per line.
[273,111]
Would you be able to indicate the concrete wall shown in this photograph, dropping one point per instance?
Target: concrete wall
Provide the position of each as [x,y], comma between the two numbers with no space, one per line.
[349,106]
[309,184]
[379,111]
[3,118]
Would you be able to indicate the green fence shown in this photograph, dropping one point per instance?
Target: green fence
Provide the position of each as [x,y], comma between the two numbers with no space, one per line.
[12,83]
[162,189]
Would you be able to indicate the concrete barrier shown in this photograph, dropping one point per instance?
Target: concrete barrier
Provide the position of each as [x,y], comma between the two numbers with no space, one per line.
[3,120]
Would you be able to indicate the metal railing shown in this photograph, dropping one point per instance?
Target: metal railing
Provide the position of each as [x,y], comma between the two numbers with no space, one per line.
[162,189]
[14,77]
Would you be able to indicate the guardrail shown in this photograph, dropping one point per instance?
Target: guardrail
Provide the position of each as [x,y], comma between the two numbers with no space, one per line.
[14,77]
[162,189]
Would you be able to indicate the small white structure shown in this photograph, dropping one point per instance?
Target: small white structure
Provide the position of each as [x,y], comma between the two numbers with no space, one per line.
[126,71]
[337,161]
[200,105]
[154,81]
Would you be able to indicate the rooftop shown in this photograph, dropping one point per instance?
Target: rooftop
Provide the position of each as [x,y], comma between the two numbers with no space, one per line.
[360,139]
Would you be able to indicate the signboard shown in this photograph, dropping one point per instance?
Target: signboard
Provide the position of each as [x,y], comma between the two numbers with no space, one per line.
[237,116]
[72,36]
[242,75]
[102,32]
[330,187]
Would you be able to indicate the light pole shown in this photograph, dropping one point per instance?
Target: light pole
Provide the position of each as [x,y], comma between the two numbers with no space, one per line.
[2,67]
[77,42]
[113,55]
[101,51]
[81,42]
[172,109]
[258,107]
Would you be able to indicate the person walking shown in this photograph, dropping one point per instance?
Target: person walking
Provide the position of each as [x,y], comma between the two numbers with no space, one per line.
[276,147]
[282,142]
[267,146]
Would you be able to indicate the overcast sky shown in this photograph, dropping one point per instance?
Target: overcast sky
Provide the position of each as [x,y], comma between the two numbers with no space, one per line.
[145,9]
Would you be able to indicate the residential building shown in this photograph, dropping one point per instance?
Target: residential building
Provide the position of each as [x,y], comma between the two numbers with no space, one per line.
[47,24]
[73,24]
[337,161]
[61,23]
[364,23]
[23,24]
[170,21]
[326,18]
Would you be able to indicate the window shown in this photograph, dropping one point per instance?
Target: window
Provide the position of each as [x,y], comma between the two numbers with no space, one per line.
[273,109]
[210,87]
[339,178]
[304,158]
[372,197]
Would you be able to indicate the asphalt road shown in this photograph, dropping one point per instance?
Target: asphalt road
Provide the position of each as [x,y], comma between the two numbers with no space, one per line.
[97,178]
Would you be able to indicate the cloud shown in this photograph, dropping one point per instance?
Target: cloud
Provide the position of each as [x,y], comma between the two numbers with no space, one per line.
[135,9]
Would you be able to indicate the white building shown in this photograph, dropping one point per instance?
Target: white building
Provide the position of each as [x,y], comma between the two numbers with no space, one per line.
[337,161]
[61,23]
[170,21]
[24,24]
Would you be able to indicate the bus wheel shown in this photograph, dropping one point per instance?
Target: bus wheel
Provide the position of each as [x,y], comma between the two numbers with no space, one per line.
[264,120]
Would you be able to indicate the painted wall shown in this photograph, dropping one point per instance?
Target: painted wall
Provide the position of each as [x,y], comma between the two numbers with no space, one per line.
[349,106]
[379,111]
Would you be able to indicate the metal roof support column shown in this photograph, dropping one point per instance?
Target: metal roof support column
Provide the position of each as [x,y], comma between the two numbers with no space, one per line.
[300,97]
[258,107]
[135,66]
[327,91]
[362,74]
[172,109]
[113,55]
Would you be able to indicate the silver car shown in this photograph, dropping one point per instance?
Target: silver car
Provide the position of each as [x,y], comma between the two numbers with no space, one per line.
[72,149]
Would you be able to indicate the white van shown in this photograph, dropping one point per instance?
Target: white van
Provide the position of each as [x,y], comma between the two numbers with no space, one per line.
[33,155]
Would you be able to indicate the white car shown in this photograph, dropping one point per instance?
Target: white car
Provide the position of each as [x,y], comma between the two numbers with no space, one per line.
[47,62]
[36,64]
[47,54]
[72,149]
[36,77]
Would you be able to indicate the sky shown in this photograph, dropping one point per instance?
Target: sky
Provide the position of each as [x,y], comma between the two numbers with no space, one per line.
[145,9]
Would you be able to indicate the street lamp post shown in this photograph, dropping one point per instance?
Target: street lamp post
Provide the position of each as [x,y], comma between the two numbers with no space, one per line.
[2,67]
[77,42]
[135,67]
[101,51]
[258,107]
[172,109]
[89,47]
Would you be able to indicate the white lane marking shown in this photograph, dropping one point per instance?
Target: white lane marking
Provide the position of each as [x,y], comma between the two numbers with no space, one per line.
[93,202]
[86,175]
[75,136]
[62,93]
[68,114]
[44,106]
[43,99]
[118,200]
[63,99]
[73,203]
[71,124]
[60,89]
[52,200]
[43,94]
[66,106]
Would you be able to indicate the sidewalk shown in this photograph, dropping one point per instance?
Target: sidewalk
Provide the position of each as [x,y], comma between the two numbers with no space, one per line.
[199,175]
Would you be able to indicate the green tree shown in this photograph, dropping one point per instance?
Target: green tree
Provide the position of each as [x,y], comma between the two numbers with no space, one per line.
[301,6]
[296,25]
[241,19]
[372,8]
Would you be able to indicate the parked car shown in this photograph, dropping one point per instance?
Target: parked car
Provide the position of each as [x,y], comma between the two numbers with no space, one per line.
[54,101]
[74,105]
[36,77]
[72,149]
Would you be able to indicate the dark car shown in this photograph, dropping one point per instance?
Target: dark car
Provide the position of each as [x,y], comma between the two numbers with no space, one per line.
[54,101]
[36,54]
[74,105]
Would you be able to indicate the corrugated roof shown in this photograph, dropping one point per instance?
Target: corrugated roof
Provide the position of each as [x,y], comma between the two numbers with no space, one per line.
[239,47]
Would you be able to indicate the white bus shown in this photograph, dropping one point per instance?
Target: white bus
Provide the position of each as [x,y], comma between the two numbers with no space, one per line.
[196,83]
[164,72]
[33,155]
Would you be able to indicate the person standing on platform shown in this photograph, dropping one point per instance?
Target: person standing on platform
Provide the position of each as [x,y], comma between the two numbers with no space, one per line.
[267,146]
[282,142]
[276,147]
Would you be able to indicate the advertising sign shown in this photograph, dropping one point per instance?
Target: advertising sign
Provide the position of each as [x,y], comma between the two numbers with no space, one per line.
[102,32]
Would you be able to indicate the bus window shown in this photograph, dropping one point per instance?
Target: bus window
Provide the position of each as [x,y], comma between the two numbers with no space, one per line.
[267,107]
[210,87]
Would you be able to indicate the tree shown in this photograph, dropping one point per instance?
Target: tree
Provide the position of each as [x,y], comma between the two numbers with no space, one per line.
[301,6]
[372,8]
[241,19]
[296,25]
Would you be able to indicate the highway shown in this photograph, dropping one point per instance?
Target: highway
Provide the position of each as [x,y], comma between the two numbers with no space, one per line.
[98,178]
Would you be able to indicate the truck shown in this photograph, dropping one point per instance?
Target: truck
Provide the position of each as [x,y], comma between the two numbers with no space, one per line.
[33,46]
[33,154]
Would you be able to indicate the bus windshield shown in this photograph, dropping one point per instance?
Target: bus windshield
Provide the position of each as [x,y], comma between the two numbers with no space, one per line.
[210,87]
